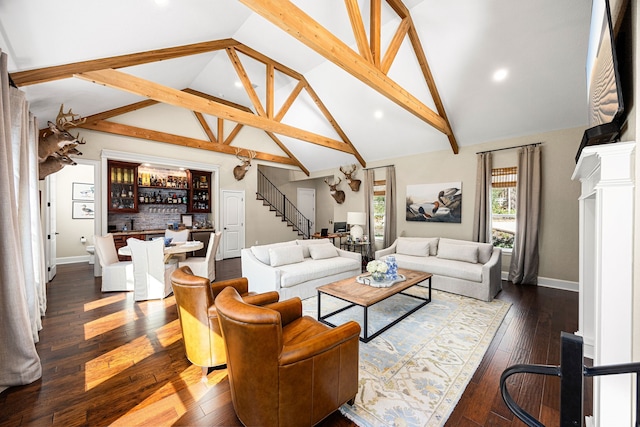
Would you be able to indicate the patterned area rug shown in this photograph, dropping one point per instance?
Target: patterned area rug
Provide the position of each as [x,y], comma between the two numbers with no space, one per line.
[414,373]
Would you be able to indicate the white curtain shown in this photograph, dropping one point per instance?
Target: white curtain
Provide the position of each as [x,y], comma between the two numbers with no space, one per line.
[482,222]
[22,277]
[525,257]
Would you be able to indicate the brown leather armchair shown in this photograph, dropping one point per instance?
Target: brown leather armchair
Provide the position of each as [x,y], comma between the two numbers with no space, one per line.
[195,296]
[286,369]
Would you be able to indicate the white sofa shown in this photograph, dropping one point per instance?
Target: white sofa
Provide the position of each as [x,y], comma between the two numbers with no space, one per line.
[297,267]
[461,267]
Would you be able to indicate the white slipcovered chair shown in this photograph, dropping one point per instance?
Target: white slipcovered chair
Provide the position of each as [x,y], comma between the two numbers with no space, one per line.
[152,277]
[205,266]
[177,236]
[116,275]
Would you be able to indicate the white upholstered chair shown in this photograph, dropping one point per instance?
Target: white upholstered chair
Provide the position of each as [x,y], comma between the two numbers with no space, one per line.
[152,277]
[205,266]
[116,275]
[177,236]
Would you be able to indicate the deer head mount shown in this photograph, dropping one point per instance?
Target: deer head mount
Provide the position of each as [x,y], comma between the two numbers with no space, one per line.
[338,195]
[354,184]
[240,170]
[53,164]
[56,143]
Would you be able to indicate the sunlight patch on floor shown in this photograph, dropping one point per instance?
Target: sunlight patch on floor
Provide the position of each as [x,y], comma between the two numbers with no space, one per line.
[116,361]
[105,301]
[175,399]
[108,323]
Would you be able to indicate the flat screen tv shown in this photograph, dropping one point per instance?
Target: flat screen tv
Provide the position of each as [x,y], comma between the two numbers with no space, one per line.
[604,83]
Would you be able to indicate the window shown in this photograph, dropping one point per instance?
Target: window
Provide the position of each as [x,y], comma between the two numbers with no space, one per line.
[503,206]
[379,199]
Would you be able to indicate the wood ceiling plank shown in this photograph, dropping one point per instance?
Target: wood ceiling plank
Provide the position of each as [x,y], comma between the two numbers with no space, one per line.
[152,135]
[293,20]
[42,75]
[147,89]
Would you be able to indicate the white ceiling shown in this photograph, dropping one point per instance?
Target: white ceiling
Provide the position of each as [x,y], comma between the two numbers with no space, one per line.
[541,43]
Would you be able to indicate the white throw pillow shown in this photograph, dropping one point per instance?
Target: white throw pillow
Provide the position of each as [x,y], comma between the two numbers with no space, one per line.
[432,241]
[412,247]
[306,243]
[485,250]
[285,255]
[262,252]
[466,253]
[323,251]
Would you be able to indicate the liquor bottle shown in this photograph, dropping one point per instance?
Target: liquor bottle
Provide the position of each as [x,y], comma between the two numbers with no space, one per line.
[146,197]
[175,198]
[123,194]
[130,193]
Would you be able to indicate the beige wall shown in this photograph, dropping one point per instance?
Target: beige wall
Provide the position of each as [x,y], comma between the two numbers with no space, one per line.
[559,226]
[559,223]
[70,230]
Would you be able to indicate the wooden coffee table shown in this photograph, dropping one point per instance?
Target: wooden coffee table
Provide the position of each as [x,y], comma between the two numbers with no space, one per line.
[366,296]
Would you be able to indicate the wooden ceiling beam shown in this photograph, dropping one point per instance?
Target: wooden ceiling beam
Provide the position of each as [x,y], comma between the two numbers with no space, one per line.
[375,20]
[358,29]
[298,24]
[122,81]
[42,75]
[157,136]
[246,81]
[205,126]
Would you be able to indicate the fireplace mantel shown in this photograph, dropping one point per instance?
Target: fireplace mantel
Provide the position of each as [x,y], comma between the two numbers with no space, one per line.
[607,176]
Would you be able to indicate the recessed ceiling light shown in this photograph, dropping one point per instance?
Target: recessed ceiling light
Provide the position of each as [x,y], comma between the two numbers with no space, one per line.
[378,114]
[500,74]
[237,83]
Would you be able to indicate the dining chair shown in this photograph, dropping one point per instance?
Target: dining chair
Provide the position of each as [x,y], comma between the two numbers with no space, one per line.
[205,266]
[152,277]
[116,275]
[178,236]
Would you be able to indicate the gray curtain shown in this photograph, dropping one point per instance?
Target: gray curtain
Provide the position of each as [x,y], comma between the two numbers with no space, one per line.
[22,285]
[369,178]
[390,213]
[525,257]
[482,222]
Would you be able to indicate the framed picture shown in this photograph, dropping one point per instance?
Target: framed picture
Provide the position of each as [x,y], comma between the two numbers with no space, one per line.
[82,210]
[83,191]
[187,220]
[435,202]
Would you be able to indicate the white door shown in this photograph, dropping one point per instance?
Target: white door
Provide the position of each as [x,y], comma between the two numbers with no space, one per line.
[307,206]
[232,223]
[49,206]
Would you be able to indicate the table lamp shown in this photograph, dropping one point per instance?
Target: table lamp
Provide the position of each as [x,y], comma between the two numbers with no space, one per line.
[356,220]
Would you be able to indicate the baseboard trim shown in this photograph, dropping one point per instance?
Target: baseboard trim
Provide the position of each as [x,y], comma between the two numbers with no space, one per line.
[72,259]
[547,282]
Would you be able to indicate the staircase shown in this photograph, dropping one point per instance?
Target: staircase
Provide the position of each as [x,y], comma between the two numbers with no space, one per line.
[283,208]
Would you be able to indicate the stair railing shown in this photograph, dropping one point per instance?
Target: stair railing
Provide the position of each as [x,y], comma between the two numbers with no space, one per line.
[283,207]
[571,372]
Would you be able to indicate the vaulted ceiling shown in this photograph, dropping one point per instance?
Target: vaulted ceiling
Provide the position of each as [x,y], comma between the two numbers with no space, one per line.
[331,82]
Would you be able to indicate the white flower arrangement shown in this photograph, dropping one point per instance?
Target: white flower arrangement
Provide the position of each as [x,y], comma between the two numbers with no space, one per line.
[377,267]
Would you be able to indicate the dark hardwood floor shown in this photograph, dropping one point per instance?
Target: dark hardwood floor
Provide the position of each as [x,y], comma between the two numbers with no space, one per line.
[110,361]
